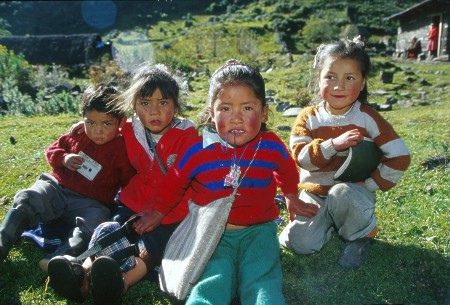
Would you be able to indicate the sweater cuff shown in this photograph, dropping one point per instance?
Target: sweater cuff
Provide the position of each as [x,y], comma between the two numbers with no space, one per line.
[327,149]
[59,160]
[290,190]
[371,185]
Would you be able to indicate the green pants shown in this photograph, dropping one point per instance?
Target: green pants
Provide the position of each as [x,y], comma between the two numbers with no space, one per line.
[245,263]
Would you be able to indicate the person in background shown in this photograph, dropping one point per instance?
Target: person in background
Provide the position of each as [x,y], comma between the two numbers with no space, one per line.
[320,139]
[413,49]
[433,36]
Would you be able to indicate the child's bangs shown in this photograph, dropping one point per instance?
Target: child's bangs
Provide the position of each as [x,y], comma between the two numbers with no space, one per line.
[147,89]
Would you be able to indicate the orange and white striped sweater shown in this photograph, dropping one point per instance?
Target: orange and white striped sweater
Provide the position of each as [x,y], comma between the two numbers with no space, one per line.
[310,143]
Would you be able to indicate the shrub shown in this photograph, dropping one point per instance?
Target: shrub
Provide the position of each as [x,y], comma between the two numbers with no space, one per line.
[3,27]
[58,103]
[15,66]
[319,30]
[174,62]
[51,76]
[303,97]
[17,103]
[109,71]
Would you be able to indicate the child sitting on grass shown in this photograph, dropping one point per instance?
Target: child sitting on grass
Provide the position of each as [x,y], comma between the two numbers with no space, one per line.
[320,139]
[87,171]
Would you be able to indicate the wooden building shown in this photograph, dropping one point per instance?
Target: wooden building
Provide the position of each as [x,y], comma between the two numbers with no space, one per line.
[416,22]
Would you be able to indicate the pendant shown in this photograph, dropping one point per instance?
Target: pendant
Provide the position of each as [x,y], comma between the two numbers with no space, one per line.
[232,178]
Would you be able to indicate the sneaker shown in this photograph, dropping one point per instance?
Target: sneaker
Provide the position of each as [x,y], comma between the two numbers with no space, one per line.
[354,253]
[107,281]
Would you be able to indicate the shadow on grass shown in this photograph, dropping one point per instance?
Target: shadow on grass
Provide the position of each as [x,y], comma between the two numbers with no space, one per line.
[20,277]
[392,274]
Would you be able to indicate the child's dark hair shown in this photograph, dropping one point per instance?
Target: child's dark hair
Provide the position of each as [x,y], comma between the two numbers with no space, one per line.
[234,72]
[101,97]
[344,49]
[146,79]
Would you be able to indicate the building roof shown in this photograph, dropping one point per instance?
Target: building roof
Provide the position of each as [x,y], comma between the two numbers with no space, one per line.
[420,7]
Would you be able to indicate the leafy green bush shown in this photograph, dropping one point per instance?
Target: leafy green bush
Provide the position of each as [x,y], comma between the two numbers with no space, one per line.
[15,66]
[17,103]
[58,103]
[50,76]
[3,27]
[173,61]
[319,30]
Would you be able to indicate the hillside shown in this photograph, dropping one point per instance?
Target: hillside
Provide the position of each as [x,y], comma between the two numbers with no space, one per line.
[287,17]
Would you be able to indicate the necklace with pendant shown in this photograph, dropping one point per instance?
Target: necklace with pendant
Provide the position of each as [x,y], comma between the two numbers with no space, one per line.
[232,178]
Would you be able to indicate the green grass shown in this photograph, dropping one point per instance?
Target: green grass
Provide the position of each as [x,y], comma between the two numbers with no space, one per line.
[407,264]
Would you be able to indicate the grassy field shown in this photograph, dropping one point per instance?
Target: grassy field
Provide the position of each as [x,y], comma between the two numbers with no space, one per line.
[407,264]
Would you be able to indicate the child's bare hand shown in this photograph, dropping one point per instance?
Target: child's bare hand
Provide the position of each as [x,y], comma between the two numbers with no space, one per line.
[73,161]
[296,206]
[347,139]
[77,128]
[148,221]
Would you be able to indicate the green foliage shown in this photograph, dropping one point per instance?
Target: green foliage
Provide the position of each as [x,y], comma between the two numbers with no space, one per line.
[58,103]
[17,103]
[15,66]
[175,62]
[50,76]
[4,25]
[319,30]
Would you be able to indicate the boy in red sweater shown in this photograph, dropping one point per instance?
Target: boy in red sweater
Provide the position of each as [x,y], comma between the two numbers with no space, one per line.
[87,171]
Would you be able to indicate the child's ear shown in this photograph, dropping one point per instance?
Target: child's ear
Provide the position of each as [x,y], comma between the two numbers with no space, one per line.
[122,121]
[211,113]
[265,113]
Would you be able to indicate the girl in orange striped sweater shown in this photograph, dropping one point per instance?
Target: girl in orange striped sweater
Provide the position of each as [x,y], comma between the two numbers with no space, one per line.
[320,139]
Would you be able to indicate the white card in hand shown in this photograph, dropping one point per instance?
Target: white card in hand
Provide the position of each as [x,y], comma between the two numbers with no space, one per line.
[90,167]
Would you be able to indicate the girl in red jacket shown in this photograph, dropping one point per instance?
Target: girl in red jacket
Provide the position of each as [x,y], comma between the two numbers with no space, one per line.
[154,138]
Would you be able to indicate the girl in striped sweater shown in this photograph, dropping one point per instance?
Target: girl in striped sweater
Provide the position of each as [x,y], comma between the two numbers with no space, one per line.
[320,139]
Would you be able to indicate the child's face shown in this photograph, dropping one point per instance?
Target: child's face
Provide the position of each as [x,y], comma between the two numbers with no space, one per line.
[100,127]
[340,82]
[238,113]
[155,112]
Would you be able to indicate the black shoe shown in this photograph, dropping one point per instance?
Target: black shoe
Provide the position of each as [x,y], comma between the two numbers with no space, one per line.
[66,278]
[107,281]
[75,245]
[354,253]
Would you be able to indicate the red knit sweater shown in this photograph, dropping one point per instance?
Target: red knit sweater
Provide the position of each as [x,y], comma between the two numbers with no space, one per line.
[203,169]
[116,170]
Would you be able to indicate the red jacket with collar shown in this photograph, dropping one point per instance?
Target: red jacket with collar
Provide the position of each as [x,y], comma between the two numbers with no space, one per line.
[139,195]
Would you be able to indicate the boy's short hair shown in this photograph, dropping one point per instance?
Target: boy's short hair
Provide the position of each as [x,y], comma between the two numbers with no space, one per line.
[101,97]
